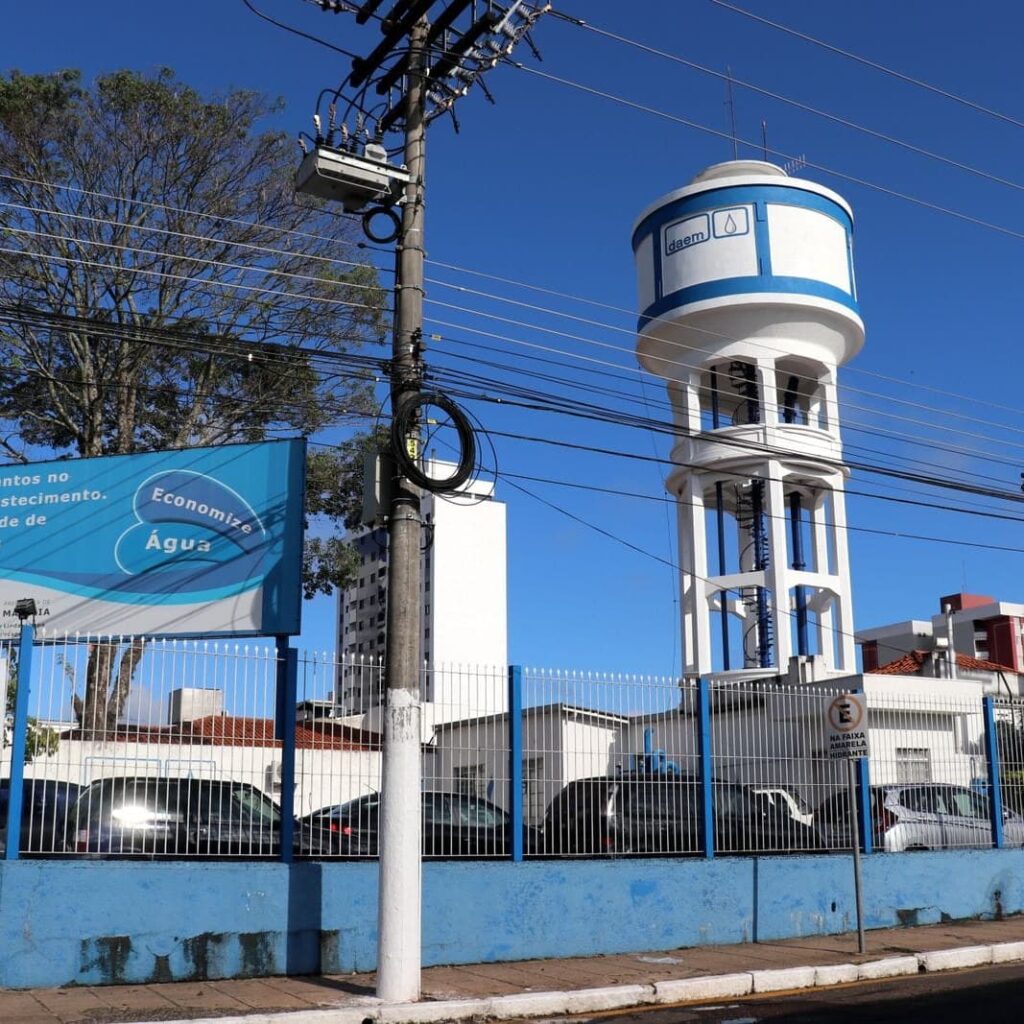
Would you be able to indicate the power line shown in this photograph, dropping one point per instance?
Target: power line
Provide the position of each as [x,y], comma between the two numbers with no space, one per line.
[191,236]
[204,281]
[220,264]
[867,62]
[848,425]
[852,178]
[297,32]
[898,534]
[371,364]
[798,104]
[466,270]
[674,362]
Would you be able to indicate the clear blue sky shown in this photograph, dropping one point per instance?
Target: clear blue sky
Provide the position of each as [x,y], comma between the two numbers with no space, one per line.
[543,188]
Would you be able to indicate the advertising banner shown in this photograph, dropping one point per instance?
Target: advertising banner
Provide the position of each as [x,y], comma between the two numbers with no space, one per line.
[202,541]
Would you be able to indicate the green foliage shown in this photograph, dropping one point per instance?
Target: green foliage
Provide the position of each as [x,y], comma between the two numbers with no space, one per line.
[334,494]
[128,323]
[40,740]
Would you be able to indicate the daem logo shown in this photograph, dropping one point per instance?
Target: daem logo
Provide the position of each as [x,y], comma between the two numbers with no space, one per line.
[684,234]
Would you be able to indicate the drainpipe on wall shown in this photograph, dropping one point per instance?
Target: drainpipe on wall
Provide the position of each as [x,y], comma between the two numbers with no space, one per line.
[951,648]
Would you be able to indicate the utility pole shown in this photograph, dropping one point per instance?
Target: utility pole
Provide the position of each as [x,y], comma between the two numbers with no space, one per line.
[439,62]
[398,943]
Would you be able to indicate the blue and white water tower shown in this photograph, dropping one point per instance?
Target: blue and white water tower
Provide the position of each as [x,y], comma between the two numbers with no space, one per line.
[748,305]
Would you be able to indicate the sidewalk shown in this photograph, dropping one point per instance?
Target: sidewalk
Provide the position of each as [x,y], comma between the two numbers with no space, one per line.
[544,987]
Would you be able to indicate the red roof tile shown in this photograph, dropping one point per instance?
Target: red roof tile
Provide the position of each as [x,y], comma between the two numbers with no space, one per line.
[232,731]
[911,664]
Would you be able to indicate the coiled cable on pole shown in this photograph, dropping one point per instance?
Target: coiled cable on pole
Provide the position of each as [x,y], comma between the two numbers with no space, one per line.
[405,424]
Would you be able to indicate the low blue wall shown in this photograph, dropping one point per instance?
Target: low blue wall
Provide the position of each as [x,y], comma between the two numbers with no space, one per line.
[94,922]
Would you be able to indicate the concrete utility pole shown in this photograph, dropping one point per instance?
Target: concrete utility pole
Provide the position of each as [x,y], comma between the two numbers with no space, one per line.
[438,63]
[398,945]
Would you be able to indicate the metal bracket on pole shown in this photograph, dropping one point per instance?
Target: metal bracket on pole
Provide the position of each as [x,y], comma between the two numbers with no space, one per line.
[19,741]
[707,831]
[287,685]
[995,789]
[515,759]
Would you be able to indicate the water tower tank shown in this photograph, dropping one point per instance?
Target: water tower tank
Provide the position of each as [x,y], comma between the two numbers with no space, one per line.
[747,306]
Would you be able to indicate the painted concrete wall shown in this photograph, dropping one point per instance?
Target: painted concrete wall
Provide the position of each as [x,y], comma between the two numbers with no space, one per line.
[92,922]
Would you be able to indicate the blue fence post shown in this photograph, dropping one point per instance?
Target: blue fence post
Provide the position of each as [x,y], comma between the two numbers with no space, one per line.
[995,788]
[707,825]
[287,688]
[515,758]
[19,741]
[864,805]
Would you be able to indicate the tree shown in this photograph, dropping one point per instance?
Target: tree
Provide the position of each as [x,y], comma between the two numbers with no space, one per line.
[161,286]
[39,739]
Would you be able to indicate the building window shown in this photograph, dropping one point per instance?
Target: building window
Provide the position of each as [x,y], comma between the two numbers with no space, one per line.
[373,599]
[533,789]
[426,633]
[468,779]
[913,764]
[426,609]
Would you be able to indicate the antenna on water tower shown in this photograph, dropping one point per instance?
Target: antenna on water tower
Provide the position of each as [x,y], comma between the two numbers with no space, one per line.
[731,104]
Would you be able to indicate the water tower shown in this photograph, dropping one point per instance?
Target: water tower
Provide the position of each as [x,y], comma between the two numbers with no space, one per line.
[747,307]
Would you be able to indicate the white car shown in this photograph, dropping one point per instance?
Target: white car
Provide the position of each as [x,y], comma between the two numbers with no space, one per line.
[779,797]
[920,816]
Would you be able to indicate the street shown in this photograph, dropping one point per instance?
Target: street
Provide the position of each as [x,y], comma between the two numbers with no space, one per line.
[993,994]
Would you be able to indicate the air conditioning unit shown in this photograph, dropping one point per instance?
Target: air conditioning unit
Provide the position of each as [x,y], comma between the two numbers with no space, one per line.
[273,777]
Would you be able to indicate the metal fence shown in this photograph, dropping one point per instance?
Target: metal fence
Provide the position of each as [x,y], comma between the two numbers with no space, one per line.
[161,748]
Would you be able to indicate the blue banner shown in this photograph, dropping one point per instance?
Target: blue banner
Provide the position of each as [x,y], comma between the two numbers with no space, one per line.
[204,541]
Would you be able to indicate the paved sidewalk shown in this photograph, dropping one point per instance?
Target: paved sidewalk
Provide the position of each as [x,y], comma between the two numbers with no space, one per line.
[303,1000]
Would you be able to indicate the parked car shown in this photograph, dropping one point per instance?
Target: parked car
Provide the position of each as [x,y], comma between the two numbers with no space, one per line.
[454,825]
[796,806]
[662,814]
[161,817]
[918,816]
[44,808]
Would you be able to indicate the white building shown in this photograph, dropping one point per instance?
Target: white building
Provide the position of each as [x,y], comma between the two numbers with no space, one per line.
[463,602]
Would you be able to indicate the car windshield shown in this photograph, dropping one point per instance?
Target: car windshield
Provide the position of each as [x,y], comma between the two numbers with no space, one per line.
[250,806]
[965,804]
[656,800]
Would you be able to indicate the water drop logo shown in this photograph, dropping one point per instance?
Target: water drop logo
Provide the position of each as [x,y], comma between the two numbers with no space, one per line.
[193,533]
[731,222]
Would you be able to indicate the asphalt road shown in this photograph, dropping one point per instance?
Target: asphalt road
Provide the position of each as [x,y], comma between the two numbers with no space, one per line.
[991,995]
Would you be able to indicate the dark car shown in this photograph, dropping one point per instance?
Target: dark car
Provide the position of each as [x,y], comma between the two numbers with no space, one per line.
[662,814]
[182,817]
[44,808]
[454,825]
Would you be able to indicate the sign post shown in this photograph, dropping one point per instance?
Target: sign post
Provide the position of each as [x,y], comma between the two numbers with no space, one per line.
[848,741]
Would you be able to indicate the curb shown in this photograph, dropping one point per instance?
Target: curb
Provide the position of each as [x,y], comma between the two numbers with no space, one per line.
[619,997]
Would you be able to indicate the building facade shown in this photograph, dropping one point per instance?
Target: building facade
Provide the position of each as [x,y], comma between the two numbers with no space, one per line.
[983,628]
[464,610]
